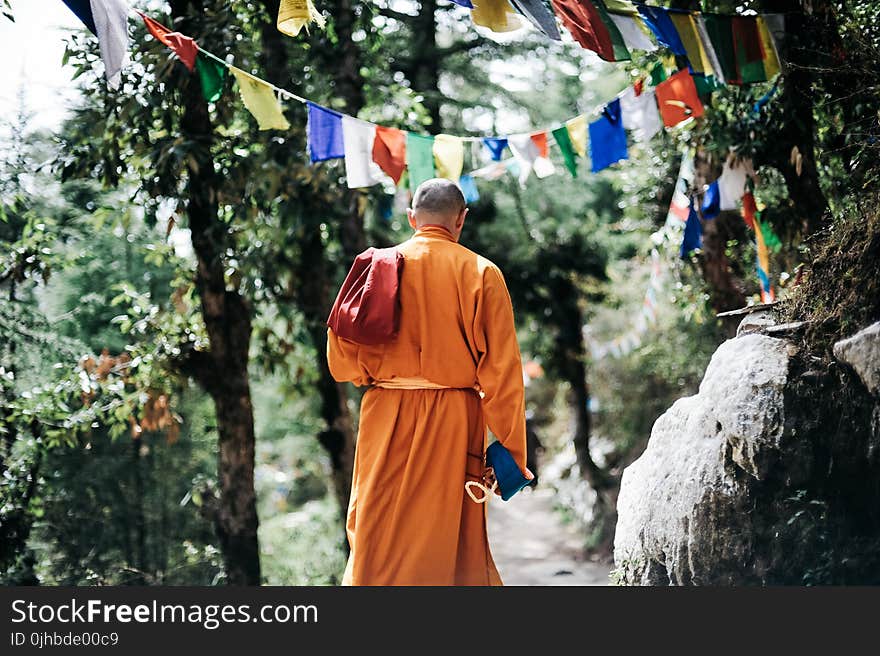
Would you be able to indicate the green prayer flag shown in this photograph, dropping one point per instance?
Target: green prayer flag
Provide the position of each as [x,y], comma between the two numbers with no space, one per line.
[419,159]
[747,47]
[706,84]
[720,31]
[567,149]
[212,75]
[770,239]
[658,74]
[621,53]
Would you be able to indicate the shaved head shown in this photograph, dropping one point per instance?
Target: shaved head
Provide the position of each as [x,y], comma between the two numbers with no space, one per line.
[439,197]
[438,202]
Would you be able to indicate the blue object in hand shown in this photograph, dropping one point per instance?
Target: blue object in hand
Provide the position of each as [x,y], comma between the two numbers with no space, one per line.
[507,473]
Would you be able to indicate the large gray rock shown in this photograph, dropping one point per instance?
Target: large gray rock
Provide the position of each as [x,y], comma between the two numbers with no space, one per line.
[862,353]
[684,510]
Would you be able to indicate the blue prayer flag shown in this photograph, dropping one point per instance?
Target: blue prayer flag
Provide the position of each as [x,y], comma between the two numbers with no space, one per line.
[607,138]
[711,206]
[468,187]
[464,3]
[325,134]
[693,233]
[658,20]
[496,146]
[83,11]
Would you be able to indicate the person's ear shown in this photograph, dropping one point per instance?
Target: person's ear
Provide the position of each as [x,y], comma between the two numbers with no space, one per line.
[459,224]
[411,216]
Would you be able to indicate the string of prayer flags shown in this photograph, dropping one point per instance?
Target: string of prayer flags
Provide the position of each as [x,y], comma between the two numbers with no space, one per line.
[293,15]
[419,159]
[82,9]
[468,187]
[539,16]
[212,75]
[607,138]
[389,151]
[525,151]
[693,233]
[770,238]
[677,99]
[325,135]
[360,169]
[640,113]
[618,45]
[111,25]
[495,146]
[749,211]
[583,20]
[658,20]
[448,156]
[183,46]
[577,132]
[496,15]
[563,140]
[709,48]
[260,100]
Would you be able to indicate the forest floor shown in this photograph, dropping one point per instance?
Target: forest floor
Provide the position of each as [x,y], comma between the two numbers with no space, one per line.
[531,544]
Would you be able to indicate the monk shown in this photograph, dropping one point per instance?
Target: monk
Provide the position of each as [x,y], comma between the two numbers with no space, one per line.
[453,369]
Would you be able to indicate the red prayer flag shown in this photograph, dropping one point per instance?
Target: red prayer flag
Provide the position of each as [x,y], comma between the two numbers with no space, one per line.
[540,140]
[582,19]
[367,308]
[749,210]
[184,46]
[677,99]
[389,151]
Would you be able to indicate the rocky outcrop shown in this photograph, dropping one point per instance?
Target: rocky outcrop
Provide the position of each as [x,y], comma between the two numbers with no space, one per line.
[762,477]
[862,353]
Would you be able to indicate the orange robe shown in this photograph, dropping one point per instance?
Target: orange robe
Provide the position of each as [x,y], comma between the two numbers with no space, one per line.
[410,521]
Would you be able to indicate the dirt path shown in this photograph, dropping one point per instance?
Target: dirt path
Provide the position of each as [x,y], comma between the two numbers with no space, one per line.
[531,545]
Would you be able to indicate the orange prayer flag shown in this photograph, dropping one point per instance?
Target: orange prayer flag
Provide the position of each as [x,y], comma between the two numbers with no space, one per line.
[389,151]
[184,46]
[540,140]
[677,99]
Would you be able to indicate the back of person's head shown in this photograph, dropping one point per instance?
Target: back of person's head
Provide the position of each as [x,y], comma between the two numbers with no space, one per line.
[438,202]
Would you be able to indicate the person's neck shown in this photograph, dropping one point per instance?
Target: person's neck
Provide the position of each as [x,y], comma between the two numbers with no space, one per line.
[430,227]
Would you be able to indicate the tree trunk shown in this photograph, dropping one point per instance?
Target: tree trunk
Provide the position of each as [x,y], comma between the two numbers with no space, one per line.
[222,371]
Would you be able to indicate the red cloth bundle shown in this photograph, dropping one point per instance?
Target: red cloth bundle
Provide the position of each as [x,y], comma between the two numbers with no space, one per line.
[367,308]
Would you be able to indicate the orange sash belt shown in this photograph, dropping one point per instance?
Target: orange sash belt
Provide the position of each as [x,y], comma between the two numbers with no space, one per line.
[409,383]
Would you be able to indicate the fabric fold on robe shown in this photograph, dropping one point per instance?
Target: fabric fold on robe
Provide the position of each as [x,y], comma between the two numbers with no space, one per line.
[448,156]
[677,99]
[389,151]
[324,129]
[419,159]
[607,138]
[260,100]
[360,169]
[111,26]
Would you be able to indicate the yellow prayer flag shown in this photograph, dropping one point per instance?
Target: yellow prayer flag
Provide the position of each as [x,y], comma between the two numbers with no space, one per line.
[771,57]
[577,132]
[293,15]
[448,156]
[260,100]
[497,15]
[621,7]
[686,27]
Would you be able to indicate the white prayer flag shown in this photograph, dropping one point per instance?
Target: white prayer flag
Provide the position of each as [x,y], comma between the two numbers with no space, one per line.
[357,138]
[111,24]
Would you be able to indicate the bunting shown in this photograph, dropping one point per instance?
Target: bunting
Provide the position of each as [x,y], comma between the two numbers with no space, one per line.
[389,151]
[110,18]
[448,156]
[419,159]
[357,138]
[324,129]
[183,46]
[607,138]
[677,99]
[260,100]
[212,75]
[496,15]
[495,146]
[577,132]
[563,139]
